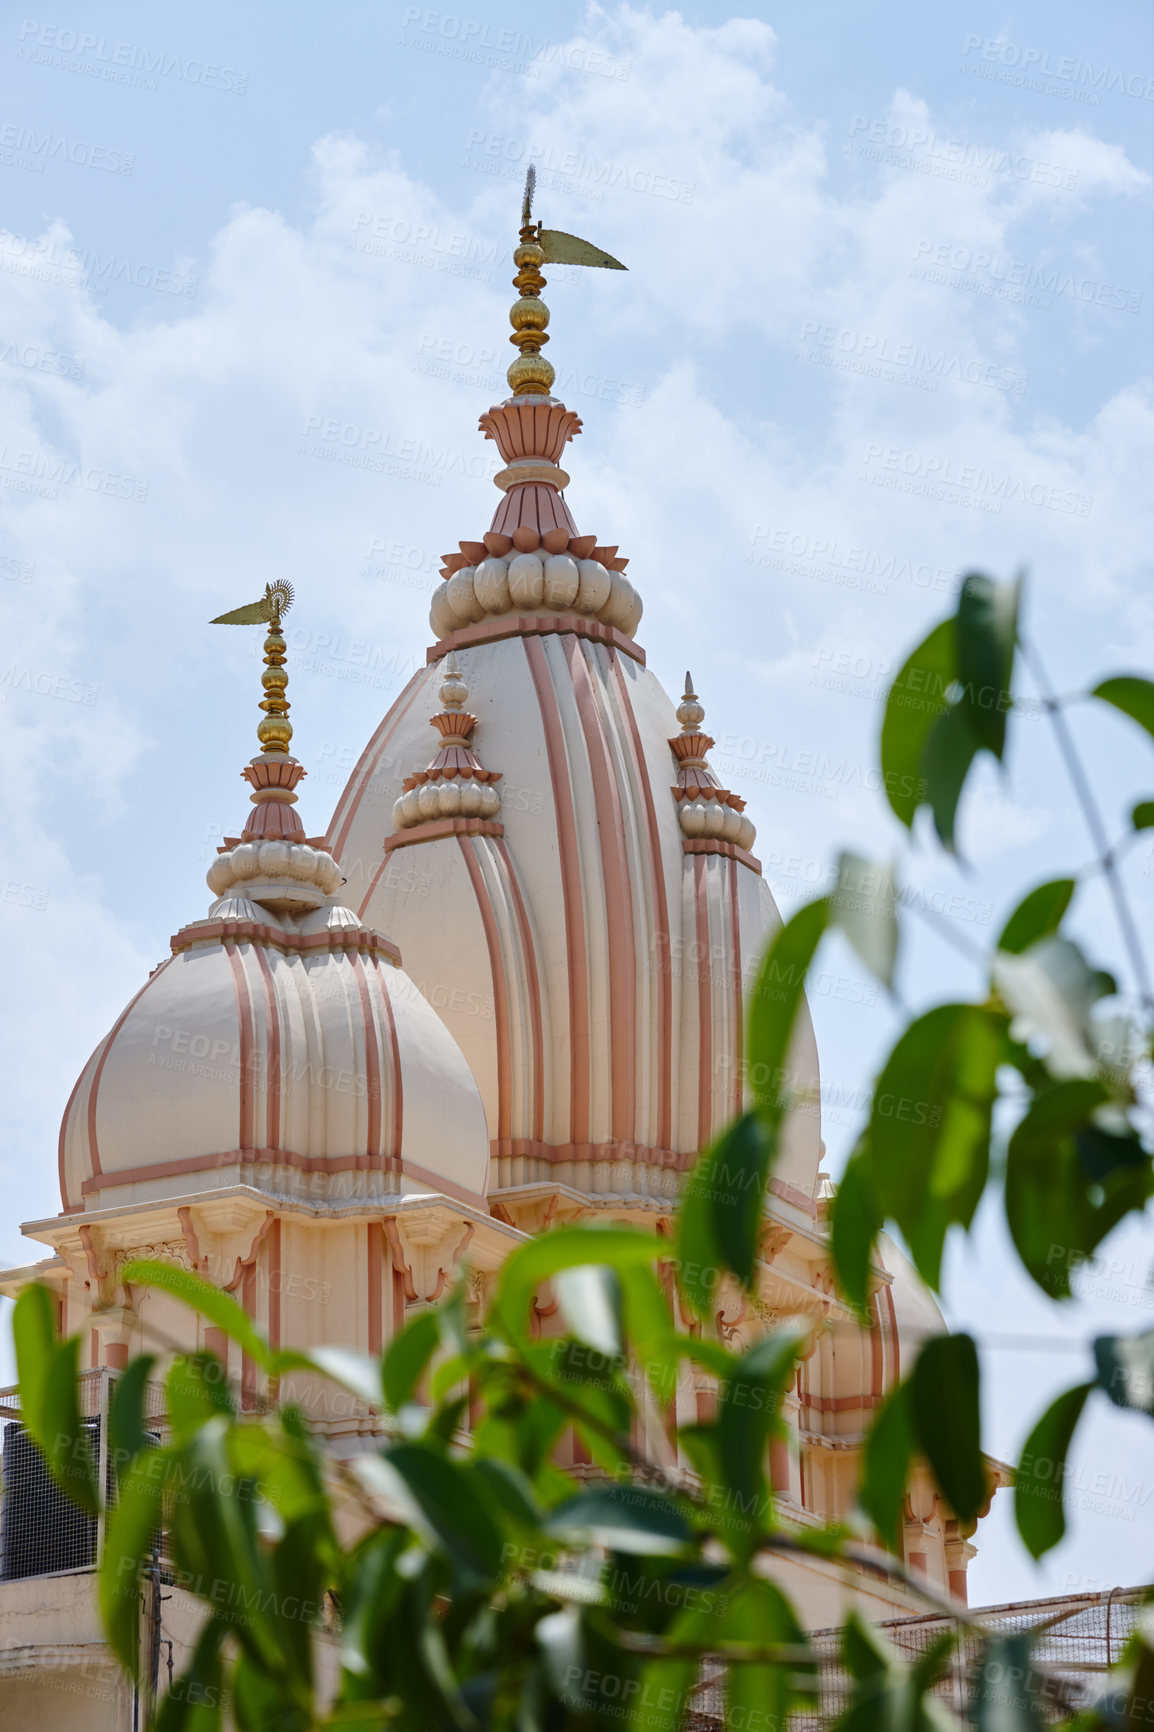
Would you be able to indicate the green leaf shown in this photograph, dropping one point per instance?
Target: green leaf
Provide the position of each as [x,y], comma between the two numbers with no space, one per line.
[927,1144]
[67,1446]
[34,1337]
[624,1518]
[986,631]
[213,1535]
[1037,916]
[946,1413]
[1142,817]
[129,1534]
[221,1309]
[128,1429]
[1061,1196]
[855,1222]
[734,1176]
[773,1007]
[591,1304]
[865,908]
[445,1500]
[407,1356]
[950,750]
[1126,1370]
[748,1405]
[916,699]
[564,1248]
[889,1452]
[196,1390]
[1004,1696]
[1133,695]
[764,1695]
[1041,1470]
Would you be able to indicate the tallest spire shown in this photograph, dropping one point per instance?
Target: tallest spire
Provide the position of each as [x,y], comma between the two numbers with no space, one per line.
[531,375]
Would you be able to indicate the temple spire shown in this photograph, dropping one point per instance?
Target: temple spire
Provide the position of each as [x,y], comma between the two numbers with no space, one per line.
[531,375]
[275,731]
[273,775]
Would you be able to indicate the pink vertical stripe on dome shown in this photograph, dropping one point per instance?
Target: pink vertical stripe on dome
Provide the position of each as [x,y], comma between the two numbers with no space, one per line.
[578,969]
[894,1336]
[244,1017]
[533,982]
[729,867]
[618,899]
[272,1048]
[500,985]
[704,1002]
[93,1145]
[372,1061]
[396,1082]
[877,1371]
[661,916]
[366,762]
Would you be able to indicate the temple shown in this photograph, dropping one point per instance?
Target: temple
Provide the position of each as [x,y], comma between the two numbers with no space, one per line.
[505,990]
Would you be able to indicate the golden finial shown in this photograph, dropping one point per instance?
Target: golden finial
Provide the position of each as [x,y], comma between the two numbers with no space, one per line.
[690,711]
[531,375]
[275,731]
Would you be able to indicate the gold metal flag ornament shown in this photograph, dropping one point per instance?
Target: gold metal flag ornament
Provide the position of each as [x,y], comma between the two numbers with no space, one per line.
[531,375]
[275,731]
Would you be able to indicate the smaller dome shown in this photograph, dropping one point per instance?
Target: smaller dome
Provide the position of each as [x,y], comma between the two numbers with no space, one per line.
[281,1045]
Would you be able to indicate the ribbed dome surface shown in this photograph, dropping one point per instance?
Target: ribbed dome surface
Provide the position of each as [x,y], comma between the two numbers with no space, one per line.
[589,957]
[306,1061]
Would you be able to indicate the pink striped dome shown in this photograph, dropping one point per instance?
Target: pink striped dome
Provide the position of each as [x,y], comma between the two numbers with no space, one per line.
[280,1045]
[589,930]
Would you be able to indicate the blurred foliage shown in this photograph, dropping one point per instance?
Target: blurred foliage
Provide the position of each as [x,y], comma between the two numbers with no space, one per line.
[469,1582]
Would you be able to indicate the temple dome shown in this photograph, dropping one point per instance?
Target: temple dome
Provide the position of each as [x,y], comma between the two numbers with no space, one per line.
[280,1045]
[574,891]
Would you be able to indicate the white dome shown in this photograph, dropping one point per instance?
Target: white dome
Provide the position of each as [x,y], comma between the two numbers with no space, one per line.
[296,1055]
[589,955]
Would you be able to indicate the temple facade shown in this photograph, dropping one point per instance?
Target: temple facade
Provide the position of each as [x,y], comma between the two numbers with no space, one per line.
[505,990]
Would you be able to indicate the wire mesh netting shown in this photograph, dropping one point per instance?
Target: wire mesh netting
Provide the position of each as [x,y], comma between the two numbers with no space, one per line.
[1078,1638]
[42,1532]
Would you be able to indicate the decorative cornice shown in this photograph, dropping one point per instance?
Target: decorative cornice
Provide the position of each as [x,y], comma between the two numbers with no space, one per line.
[535,625]
[714,845]
[336,939]
[436,828]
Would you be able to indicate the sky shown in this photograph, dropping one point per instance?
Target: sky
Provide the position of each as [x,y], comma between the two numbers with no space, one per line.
[887,319]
